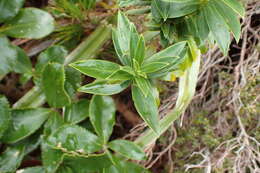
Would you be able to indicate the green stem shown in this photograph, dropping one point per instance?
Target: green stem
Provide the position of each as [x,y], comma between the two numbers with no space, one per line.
[87,49]
[187,86]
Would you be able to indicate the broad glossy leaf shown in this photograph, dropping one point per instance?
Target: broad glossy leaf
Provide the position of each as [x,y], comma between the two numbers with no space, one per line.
[54,122]
[202,26]
[101,69]
[146,107]
[11,158]
[30,23]
[74,139]
[51,158]
[5,115]
[77,112]
[24,123]
[8,55]
[236,6]
[9,8]
[23,63]
[73,81]
[53,85]
[36,169]
[127,149]
[172,51]
[102,115]
[105,87]
[126,167]
[230,17]
[217,27]
[53,54]
[87,164]
[173,9]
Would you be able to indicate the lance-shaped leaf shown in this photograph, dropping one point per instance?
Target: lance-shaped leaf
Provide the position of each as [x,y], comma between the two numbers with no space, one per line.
[218,27]
[143,84]
[36,169]
[9,8]
[137,48]
[102,116]
[76,112]
[230,18]
[146,106]
[74,139]
[172,51]
[101,69]
[236,6]
[105,87]
[30,23]
[53,80]
[121,38]
[5,115]
[24,123]
[127,149]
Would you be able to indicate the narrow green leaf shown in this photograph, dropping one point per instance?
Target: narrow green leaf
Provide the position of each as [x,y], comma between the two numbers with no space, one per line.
[36,169]
[230,18]
[102,115]
[93,68]
[5,115]
[236,6]
[105,87]
[218,27]
[30,23]
[77,112]
[23,63]
[24,123]
[139,53]
[53,85]
[172,51]
[127,149]
[143,84]
[9,8]
[74,139]
[146,107]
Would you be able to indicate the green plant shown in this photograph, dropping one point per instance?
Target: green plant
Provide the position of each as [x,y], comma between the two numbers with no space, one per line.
[74,134]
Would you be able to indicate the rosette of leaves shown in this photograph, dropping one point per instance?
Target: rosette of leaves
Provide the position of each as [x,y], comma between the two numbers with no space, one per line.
[203,20]
[136,70]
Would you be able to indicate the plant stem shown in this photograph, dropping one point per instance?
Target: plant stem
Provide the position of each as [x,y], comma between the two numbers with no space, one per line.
[187,86]
[86,50]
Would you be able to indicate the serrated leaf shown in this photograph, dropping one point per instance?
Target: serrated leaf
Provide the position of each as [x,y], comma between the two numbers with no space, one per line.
[102,116]
[36,169]
[77,112]
[24,123]
[104,87]
[9,8]
[146,107]
[53,81]
[30,23]
[75,140]
[230,18]
[236,6]
[127,149]
[109,70]
[5,115]
[217,27]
